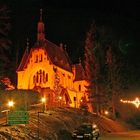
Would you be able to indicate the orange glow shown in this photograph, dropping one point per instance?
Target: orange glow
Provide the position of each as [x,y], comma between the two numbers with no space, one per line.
[106,112]
[11,103]
[43,100]
[38,69]
[136,102]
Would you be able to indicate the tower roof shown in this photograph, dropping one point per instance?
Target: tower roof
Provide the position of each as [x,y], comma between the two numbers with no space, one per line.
[40,29]
[56,54]
[80,72]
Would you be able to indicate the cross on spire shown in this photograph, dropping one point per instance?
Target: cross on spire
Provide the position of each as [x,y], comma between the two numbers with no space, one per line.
[41,14]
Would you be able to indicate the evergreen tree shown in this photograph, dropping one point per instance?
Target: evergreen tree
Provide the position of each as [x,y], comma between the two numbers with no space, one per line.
[57,87]
[114,82]
[4,41]
[92,67]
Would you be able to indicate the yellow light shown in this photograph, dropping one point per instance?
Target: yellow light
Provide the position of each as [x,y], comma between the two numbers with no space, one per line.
[106,112]
[60,97]
[10,103]
[94,126]
[136,102]
[43,100]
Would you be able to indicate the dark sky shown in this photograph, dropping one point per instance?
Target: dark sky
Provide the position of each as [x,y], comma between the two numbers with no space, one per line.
[67,21]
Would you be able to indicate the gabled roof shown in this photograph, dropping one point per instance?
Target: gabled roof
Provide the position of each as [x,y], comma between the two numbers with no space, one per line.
[57,55]
[79,72]
[23,60]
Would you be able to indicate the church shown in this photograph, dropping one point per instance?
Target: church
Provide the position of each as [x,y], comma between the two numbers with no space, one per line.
[47,68]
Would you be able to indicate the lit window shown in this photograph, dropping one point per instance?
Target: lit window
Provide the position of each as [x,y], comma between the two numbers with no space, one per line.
[40,60]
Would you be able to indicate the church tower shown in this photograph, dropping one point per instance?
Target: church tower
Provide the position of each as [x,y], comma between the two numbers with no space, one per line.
[40,29]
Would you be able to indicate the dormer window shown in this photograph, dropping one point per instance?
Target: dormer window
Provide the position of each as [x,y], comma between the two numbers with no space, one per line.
[36,58]
[40,58]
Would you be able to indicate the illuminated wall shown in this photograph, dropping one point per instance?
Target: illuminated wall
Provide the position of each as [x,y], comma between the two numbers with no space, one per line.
[38,68]
[39,71]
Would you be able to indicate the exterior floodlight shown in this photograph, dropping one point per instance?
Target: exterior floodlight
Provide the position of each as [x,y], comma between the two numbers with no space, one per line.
[43,100]
[60,97]
[10,103]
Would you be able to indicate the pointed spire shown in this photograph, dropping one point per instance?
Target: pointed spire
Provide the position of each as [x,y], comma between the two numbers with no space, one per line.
[27,44]
[65,47]
[40,29]
[79,60]
[40,14]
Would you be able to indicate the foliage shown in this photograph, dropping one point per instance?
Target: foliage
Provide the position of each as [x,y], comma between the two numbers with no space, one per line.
[103,66]
[83,104]
[5,43]
[20,97]
[94,67]
[6,84]
[135,120]
[90,67]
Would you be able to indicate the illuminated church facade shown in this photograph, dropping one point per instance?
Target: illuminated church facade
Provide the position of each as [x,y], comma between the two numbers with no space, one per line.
[47,68]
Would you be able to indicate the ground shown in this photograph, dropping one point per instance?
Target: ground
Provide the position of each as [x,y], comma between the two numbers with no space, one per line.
[58,123]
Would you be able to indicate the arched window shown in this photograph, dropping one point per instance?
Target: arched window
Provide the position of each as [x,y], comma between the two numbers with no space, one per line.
[36,59]
[37,77]
[34,79]
[40,71]
[46,77]
[40,60]
[79,87]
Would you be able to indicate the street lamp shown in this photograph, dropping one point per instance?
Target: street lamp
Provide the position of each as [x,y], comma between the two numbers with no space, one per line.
[43,100]
[106,112]
[10,105]
[60,98]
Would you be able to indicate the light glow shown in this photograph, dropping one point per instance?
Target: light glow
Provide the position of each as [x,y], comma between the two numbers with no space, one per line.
[43,100]
[60,97]
[136,102]
[10,103]
[106,112]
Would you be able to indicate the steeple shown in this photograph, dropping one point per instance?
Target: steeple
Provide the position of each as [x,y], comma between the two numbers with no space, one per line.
[40,29]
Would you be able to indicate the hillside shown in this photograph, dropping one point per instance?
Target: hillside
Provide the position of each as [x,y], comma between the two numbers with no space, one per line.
[56,124]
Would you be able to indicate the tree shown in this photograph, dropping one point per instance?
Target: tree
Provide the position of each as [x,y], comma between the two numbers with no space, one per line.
[92,67]
[114,78]
[6,84]
[57,87]
[4,41]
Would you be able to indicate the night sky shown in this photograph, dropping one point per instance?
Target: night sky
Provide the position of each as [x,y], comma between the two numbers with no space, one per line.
[67,21]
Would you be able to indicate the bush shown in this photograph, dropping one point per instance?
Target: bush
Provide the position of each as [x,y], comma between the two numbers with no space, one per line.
[22,98]
[135,121]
